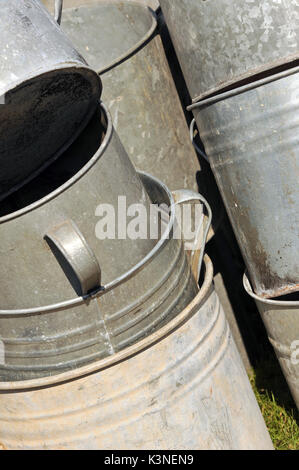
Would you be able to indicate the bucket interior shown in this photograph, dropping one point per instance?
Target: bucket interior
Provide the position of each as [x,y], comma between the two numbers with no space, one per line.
[63,169]
[105,33]
[39,119]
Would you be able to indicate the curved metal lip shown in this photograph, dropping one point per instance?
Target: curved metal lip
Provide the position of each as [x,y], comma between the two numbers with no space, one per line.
[274,303]
[147,37]
[249,74]
[116,282]
[85,120]
[124,355]
[242,89]
[71,181]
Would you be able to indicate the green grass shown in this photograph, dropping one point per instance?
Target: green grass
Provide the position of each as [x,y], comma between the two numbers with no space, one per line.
[277,406]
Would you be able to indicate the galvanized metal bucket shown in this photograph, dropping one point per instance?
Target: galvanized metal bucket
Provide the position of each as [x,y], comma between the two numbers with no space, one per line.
[252,142]
[48,93]
[222,42]
[183,387]
[125,288]
[281,319]
[120,41]
[154,4]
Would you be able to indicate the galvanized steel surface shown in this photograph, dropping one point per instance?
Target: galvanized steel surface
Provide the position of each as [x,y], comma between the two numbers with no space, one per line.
[48,90]
[220,42]
[119,40]
[183,387]
[281,319]
[48,340]
[251,138]
[154,4]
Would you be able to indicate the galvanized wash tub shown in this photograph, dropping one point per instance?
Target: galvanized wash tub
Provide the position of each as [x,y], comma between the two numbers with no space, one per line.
[222,42]
[48,93]
[120,41]
[251,138]
[184,387]
[125,288]
[281,319]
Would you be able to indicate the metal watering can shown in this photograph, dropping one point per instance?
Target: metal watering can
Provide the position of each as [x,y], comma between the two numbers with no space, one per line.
[125,288]
[48,92]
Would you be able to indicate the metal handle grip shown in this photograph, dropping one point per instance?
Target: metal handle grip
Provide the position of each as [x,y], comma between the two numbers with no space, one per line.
[182,196]
[70,247]
[58,10]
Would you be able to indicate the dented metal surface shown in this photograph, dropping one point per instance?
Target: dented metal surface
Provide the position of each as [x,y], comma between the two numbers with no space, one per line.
[48,93]
[42,338]
[251,138]
[120,41]
[184,387]
[281,319]
[221,42]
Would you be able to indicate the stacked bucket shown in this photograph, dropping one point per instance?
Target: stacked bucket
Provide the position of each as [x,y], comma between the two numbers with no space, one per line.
[240,62]
[109,343]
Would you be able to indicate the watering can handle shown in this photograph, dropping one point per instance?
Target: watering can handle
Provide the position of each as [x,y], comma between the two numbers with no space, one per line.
[183,196]
[58,10]
[72,251]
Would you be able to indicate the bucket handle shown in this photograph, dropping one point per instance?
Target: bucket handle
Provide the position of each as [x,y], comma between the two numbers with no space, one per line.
[75,257]
[198,150]
[58,10]
[183,196]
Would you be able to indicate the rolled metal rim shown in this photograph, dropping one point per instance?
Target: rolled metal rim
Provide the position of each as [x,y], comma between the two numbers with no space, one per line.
[147,37]
[85,120]
[110,361]
[274,303]
[86,168]
[289,60]
[116,282]
[242,89]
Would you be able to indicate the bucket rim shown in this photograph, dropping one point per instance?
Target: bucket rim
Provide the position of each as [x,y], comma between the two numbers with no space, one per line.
[270,302]
[196,104]
[170,327]
[102,290]
[138,45]
[95,82]
[74,179]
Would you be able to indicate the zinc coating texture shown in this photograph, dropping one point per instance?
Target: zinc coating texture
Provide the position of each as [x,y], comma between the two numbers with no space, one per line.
[184,387]
[222,42]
